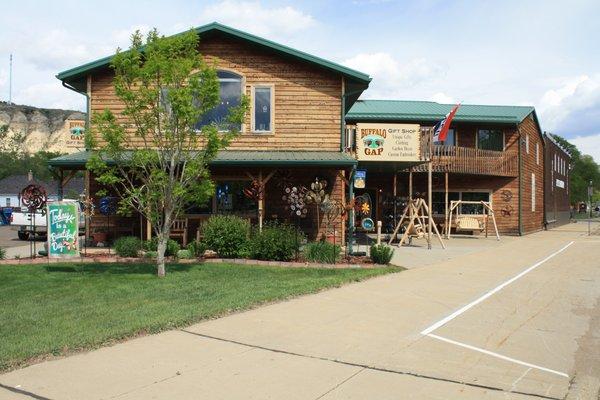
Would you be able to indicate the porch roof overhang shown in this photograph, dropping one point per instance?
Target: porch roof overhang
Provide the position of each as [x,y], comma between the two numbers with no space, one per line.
[238,158]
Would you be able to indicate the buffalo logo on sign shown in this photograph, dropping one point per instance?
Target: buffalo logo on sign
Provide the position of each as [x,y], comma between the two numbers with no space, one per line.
[388,142]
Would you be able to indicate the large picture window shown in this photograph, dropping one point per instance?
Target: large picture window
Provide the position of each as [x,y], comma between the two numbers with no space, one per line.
[438,204]
[262,109]
[490,139]
[230,198]
[230,91]
[450,139]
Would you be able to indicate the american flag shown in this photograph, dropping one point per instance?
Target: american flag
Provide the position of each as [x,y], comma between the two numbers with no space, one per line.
[440,130]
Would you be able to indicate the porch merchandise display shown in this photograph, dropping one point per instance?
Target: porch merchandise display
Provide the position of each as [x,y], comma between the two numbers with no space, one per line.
[318,196]
[415,216]
[472,222]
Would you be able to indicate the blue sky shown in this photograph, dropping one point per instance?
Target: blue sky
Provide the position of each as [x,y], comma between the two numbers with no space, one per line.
[541,53]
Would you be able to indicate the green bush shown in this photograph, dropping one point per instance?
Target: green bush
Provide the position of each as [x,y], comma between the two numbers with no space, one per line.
[276,242]
[226,234]
[128,246]
[322,252]
[2,253]
[151,254]
[381,254]
[184,254]
[172,246]
[197,248]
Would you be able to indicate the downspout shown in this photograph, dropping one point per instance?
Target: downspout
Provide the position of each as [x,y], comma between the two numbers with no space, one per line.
[520,198]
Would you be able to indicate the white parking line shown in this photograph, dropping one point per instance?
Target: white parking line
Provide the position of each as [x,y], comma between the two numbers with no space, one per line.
[500,356]
[472,304]
[428,331]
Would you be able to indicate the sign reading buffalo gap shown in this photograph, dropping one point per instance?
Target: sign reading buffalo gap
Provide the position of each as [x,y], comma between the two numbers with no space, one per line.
[388,142]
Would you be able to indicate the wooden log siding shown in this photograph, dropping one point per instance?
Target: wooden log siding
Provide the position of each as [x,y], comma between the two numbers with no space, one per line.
[307,109]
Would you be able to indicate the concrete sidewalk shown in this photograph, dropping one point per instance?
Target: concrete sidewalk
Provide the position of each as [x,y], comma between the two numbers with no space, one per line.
[364,340]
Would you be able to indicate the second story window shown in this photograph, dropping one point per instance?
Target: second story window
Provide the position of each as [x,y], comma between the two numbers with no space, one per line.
[450,139]
[262,109]
[490,139]
[230,90]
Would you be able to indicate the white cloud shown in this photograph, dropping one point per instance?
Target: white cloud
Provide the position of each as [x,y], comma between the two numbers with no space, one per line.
[442,97]
[392,77]
[588,145]
[122,37]
[253,17]
[561,106]
[50,95]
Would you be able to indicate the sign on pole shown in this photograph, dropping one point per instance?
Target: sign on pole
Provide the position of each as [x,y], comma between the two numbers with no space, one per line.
[63,229]
[388,142]
[360,179]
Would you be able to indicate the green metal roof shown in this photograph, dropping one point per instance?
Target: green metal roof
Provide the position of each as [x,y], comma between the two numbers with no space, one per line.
[242,158]
[401,110]
[76,73]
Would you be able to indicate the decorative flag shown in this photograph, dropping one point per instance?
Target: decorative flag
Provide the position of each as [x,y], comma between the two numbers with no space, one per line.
[440,130]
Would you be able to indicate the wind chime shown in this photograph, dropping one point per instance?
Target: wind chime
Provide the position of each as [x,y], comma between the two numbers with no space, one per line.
[34,197]
[296,205]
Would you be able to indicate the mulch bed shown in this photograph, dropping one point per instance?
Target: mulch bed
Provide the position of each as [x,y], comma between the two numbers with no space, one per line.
[347,262]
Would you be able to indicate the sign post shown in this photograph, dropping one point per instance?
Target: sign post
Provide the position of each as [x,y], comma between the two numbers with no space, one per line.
[63,229]
[590,192]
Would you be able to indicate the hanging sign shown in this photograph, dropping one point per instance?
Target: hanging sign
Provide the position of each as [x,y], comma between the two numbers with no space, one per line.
[63,229]
[360,179]
[388,142]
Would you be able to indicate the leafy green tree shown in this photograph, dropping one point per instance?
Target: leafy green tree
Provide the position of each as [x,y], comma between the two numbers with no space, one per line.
[583,169]
[155,157]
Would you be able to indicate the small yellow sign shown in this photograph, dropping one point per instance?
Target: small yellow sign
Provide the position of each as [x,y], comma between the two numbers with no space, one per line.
[388,142]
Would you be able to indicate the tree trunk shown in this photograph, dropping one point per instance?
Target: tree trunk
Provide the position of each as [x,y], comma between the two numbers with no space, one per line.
[160,257]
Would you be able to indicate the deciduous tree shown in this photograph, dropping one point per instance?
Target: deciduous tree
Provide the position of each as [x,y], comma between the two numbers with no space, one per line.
[154,155]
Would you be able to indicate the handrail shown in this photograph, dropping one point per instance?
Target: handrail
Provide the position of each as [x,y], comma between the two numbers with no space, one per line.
[470,160]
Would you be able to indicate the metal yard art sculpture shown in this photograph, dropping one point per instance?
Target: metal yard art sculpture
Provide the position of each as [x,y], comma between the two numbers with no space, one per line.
[107,207]
[34,197]
[316,195]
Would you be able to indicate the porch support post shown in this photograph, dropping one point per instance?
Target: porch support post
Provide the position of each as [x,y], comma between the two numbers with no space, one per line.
[446,204]
[351,210]
[429,204]
[61,178]
[410,190]
[429,194]
[395,193]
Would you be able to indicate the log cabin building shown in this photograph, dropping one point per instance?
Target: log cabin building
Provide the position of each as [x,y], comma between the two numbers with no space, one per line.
[301,127]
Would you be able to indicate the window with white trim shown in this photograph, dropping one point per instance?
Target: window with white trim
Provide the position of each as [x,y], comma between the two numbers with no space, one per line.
[532,192]
[527,143]
[537,153]
[262,112]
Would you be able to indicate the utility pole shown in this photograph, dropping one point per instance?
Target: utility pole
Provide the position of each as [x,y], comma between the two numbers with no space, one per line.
[590,190]
[10,81]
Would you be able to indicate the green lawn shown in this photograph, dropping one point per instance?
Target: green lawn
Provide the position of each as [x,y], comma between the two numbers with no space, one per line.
[60,308]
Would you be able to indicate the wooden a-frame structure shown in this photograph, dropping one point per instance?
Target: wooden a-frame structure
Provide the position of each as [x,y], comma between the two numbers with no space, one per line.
[418,221]
[488,212]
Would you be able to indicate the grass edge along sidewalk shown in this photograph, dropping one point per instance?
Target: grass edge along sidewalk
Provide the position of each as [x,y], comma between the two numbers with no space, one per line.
[58,309]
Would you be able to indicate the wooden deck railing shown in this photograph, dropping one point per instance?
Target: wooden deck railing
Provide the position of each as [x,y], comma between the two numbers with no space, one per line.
[468,160]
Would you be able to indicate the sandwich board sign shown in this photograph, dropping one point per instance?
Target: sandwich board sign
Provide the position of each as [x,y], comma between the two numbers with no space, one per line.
[63,229]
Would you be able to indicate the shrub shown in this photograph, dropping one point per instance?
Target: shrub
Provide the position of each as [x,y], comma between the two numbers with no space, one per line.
[197,248]
[226,234]
[128,246]
[323,252]
[185,254]
[151,254]
[276,242]
[172,246]
[381,254]
[2,253]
